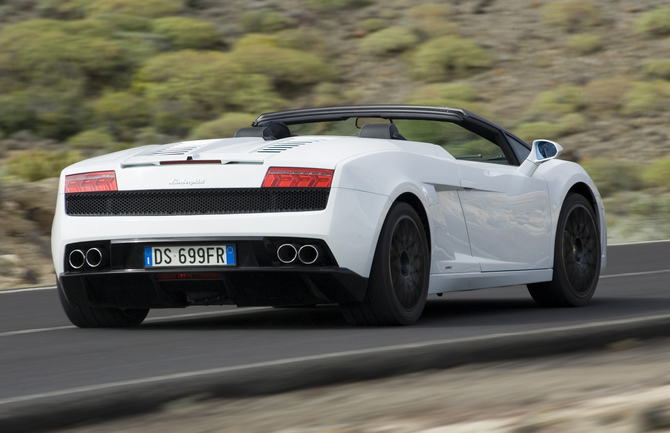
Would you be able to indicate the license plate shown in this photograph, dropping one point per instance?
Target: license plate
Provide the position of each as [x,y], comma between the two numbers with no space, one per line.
[184,255]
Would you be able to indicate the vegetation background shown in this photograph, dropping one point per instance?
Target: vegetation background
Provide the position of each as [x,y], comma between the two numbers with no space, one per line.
[84,77]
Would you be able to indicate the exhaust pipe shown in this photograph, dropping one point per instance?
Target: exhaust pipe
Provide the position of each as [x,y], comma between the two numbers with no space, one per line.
[93,257]
[308,254]
[76,259]
[287,253]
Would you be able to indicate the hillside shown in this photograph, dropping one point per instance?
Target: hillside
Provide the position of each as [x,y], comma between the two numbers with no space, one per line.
[79,78]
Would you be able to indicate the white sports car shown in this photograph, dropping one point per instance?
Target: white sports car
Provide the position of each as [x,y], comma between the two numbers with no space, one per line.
[369,207]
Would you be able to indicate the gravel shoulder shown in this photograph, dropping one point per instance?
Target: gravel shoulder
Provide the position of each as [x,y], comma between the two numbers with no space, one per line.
[624,388]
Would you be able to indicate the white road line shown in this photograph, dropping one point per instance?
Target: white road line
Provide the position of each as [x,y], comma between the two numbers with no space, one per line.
[288,361]
[152,319]
[633,274]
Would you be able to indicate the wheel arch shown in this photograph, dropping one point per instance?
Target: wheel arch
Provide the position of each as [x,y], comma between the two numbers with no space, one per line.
[418,206]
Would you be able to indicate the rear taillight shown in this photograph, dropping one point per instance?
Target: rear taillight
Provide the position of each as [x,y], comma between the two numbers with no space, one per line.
[296,177]
[90,182]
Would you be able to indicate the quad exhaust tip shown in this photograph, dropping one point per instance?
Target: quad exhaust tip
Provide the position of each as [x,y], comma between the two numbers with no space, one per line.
[308,254]
[287,253]
[305,254]
[93,257]
[78,258]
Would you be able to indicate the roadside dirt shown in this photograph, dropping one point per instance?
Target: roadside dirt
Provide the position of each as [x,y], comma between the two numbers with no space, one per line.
[625,388]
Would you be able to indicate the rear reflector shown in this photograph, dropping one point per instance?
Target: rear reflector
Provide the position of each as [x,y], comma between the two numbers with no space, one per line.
[296,177]
[91,182]
[190,276]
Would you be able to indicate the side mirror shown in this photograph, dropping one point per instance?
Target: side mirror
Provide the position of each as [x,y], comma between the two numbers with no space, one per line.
[542,151]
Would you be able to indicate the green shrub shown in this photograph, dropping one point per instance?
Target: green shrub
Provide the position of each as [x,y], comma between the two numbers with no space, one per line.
[390,40]
[305,39]
[224,126]
[372,24]
[538,130]
[584,44]
[50,53]
[34,165]
[328,94]
[335,4]
[659,173]
[654,23]
[449,57]
[186,33]
[571,14]
[429,11]
[144,8]
[263,20]
[92,139]
[562,100]
[199,85]
[284,66]
[646,98]
[118,112]
[16,112]
[604,95]
[657,68]
[573,123]
[63,9]
[613,176]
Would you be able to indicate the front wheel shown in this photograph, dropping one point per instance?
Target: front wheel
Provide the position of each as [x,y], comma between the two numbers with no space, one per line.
[398,284]
[576,257]
[91,317]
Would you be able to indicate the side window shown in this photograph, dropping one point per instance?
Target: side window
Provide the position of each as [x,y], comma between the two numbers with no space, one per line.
[519,148]
[458,141]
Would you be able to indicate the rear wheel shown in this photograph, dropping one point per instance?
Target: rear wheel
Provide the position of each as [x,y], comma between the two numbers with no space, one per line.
[91,317]
[576,257]
[398,283]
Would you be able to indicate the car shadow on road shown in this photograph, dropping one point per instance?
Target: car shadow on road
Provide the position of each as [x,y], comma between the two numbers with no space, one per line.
[460,311]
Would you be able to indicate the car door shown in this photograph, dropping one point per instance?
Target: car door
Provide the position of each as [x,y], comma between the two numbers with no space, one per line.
[508,216]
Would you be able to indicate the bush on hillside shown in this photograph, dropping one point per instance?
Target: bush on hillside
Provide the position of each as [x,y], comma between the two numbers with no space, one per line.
[605,95]
[92,139]
[63,9]
[584,44]
[284,66]
[201,85]
[538,130]
[657,174]
[372,24]
[449,57]
[646,98]
[391,40]
[120,112]
[224,126]
[263,20]
[654,23]
[613,176]
[571,15]
[562,100]
[186,33]
[657,68]
[34,165]
[144,8]
[335,4]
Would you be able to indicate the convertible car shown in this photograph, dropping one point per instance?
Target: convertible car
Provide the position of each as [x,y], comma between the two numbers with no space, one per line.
[368,207]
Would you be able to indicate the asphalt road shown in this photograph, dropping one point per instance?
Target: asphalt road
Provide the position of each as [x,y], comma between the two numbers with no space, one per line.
[44,359]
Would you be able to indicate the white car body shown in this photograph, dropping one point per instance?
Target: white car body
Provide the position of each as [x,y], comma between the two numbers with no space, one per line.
[488,224]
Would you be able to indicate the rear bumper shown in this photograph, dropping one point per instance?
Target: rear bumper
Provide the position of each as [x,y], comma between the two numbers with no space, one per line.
[122,279]
[242,286]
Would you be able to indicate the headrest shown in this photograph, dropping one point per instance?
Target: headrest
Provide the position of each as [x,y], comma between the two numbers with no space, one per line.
[380,130]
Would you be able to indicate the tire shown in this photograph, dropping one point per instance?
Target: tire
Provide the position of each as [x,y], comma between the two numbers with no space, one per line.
[398,284]
[576,257]
[91,317]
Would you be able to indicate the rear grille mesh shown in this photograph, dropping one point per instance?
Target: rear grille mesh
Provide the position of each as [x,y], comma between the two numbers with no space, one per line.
[196,201]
